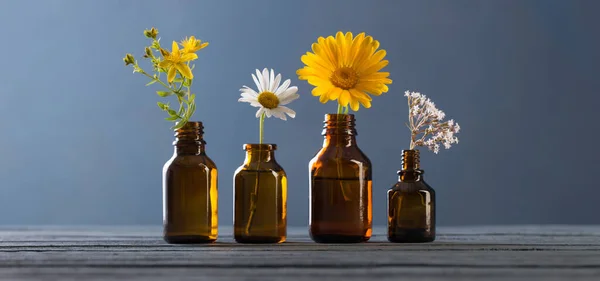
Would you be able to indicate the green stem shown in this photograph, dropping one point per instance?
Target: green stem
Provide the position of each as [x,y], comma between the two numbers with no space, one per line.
[157,80]
[340,109]
[261,128]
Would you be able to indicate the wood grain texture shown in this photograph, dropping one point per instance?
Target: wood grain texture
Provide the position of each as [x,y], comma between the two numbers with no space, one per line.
[138,253]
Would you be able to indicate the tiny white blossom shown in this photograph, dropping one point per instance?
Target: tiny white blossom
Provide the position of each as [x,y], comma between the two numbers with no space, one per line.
[426,119]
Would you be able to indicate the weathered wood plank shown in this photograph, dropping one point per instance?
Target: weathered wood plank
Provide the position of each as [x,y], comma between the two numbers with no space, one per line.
[138,253]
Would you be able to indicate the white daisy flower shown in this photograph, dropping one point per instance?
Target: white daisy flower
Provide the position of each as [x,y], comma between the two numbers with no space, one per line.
[271,96]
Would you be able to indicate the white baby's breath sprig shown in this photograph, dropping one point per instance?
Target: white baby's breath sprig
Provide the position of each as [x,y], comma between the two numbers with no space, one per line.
[426,125]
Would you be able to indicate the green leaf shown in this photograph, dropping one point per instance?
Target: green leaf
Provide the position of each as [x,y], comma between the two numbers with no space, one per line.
[178,80]
[172,118]
[192,97]
[163,93]
[151,82]
[172,112]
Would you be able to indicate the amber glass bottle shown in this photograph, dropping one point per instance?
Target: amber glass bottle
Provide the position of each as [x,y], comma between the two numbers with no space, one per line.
[411,204]
[190,190]
[340,186]
[260,197]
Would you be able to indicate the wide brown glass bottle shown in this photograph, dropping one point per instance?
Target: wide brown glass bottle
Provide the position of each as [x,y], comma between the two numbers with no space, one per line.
[190,190]
[340,186]
[411,204]
[260,197]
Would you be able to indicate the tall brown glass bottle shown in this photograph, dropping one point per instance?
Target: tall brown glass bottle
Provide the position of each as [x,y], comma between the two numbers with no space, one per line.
[340,186]
[190,190]
[411,204]
[260,197]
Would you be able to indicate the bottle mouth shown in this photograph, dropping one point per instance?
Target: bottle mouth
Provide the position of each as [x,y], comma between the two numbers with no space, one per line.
[339,124]
[191,132]
[330,117]
[259,146]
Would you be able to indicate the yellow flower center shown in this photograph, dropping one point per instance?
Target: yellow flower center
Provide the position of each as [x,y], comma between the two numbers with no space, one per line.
[268,100]
[345,78]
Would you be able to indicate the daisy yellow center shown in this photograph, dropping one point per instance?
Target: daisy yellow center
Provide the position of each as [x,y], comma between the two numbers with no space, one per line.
[345,78]
[268,100]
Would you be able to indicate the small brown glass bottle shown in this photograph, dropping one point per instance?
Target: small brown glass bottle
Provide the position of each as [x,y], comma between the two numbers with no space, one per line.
[340,186]
[190,190]
[411,204]
[260,197]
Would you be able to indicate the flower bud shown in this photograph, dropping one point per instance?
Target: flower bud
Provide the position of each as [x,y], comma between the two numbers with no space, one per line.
[148,52]
[129,59]
[151,33]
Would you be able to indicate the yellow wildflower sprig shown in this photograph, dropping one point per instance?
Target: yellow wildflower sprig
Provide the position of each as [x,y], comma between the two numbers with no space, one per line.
[178,68]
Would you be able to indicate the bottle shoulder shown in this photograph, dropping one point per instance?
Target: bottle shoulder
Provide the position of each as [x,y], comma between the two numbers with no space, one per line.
[271,166]
[412,186]
[201,161]
[344,154]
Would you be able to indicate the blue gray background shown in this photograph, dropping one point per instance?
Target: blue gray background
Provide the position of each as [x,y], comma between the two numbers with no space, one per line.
[82,141]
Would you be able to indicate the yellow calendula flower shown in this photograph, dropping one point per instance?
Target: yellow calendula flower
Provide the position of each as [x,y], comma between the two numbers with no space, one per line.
[191,45]
[177,61]
[347,69]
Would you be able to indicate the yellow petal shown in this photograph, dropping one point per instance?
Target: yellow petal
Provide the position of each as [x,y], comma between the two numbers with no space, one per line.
[323,98]
[364,51]
[333,50]
[354,104]
[374,68]
[311,60]
[322,50]
[354,49]
[384,89]
[375,76]
[164,64]
[185,70]
[371,88]
[376,58]
[203,45]
[361,96]
[317,81]
[344,98]
[320,90]
[366,104]
[335,93]
[175,49]
[171,74]
[189,57]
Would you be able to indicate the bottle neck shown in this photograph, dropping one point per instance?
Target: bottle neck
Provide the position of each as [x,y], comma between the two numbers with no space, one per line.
[259,153]
[189,139]
[339,130]
[411,166]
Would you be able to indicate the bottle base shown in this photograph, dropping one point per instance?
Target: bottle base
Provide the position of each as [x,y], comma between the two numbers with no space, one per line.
[336,238]
[259,240]
[411,236]
[189,239]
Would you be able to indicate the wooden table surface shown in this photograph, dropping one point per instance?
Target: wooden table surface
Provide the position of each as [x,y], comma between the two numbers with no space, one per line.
[459,253]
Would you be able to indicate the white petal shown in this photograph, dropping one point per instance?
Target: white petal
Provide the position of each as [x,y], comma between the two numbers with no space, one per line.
[249,96]
[259,112]
[271,80]
[265,80]
[290,91]
[252,103]
[276,83]
[257,81]
[278,113]
[283,87]
[287,110]
[288,99]
[268,112]
[247,89]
